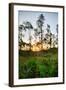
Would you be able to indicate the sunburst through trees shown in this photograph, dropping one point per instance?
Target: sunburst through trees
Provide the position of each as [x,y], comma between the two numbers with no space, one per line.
[38,45]
[41,40]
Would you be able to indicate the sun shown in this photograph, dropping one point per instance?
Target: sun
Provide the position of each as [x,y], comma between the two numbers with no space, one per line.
[38,47]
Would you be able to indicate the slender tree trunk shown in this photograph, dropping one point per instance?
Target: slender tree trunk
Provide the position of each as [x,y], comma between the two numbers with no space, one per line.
[20,47]
[50,41]
[30,39]
[41,39]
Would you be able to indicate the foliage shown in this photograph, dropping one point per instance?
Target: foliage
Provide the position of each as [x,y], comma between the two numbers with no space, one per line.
[45,65]
[38,35]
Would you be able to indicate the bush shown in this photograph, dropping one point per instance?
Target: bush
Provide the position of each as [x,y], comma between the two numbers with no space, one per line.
[28,70]
[35,69]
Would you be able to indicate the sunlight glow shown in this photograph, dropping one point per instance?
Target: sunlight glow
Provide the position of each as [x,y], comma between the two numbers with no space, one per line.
[36,47]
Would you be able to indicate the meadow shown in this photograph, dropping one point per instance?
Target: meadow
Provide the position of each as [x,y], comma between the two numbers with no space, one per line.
[40,64]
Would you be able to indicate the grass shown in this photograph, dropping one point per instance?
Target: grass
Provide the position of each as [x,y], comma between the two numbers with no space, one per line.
[38,64]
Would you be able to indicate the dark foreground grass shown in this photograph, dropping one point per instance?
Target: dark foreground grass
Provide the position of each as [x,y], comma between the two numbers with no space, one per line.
[38,64]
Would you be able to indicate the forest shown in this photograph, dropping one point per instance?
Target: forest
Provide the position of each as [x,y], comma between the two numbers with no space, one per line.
[38,56]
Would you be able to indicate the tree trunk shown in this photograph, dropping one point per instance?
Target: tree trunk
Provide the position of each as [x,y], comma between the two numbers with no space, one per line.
[41,39]
[30,40]
[50,41]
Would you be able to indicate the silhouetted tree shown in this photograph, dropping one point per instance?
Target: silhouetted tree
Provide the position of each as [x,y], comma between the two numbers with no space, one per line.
[57,35]
[53,40]
[40,23]
[35,34]
[21,35]
[49,35]
[57,28]
[29,26]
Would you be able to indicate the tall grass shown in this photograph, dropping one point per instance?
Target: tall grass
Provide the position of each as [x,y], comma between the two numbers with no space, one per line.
[38,66]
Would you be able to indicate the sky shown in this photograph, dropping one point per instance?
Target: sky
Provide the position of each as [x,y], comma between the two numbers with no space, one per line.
[51,18]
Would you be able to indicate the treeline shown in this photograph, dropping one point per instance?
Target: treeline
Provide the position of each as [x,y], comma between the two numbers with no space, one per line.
[39,35]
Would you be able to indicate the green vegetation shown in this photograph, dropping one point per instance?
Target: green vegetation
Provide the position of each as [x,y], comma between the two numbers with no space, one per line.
[38,64]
